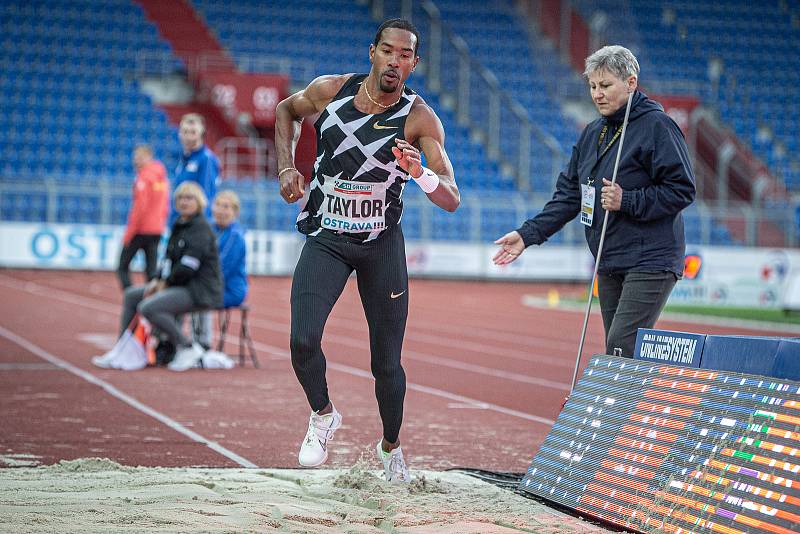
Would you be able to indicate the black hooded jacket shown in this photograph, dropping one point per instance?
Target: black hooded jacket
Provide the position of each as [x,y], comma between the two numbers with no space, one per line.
[657,181]
[193,261]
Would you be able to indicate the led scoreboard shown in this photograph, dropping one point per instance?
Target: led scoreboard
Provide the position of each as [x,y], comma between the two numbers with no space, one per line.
[654,447]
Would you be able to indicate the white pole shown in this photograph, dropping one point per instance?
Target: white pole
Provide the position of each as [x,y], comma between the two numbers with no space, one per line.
[600,246]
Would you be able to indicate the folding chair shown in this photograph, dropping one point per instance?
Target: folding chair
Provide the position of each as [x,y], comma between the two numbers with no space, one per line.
[245,341]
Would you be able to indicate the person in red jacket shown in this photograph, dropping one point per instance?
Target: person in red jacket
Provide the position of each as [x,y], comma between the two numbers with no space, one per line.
[148,214]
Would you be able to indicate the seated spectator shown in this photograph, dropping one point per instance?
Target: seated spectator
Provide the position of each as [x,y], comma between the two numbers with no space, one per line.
[231,245]
[189,280]
[232,256]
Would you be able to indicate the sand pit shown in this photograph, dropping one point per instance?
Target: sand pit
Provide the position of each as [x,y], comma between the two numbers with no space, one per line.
[97,495]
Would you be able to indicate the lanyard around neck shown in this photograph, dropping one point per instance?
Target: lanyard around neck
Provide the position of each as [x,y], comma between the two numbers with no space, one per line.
[603,133]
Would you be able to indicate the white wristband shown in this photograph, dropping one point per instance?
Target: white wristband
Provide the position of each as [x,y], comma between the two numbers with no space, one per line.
[428,181]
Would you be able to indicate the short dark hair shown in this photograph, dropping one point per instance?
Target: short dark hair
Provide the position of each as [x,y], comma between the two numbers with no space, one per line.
[400,24]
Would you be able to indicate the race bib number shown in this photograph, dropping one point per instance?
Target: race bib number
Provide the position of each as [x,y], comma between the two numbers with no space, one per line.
[353,206]
[587,204]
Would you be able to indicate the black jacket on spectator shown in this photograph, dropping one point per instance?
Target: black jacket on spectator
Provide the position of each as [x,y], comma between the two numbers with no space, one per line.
[657,180]
[193,261]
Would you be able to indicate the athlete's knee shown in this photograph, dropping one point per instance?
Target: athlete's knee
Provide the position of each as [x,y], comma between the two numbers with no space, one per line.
[387,369]
[302,344]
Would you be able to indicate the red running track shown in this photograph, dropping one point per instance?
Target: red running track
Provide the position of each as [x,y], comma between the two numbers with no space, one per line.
[486,378]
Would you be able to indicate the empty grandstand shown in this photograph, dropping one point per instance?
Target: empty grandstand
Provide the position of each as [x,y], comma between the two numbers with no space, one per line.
[86,80]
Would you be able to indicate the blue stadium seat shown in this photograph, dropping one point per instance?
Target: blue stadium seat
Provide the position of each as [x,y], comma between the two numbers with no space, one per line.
[78,83]
[279,37]
[71,113]
[758,47]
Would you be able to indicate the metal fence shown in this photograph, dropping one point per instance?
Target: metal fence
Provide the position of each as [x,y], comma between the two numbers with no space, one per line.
[162,63]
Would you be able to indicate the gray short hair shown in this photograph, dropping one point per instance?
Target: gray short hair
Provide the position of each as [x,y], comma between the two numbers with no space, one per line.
[616,59]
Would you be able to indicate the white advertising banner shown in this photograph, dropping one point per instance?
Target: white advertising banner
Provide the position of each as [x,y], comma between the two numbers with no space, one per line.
[442,259]
[93,247]
[273,253]
[548,262]
[725,276]
[60,246]
[470,260]
[731,276]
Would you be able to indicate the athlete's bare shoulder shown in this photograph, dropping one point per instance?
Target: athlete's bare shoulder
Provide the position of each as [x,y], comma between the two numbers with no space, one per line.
[323,88]
[422,122]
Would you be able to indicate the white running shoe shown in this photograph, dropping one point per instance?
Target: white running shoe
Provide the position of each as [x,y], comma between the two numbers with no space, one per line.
[186,358]
[314,449]
[394,466]
[106,360]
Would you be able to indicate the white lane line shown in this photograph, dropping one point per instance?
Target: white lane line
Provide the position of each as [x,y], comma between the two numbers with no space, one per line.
[355,371]
[411,335]
[27,367]
[277,351]
[460,333]
[55,360]
[429,358]
[483,348]
[64,296]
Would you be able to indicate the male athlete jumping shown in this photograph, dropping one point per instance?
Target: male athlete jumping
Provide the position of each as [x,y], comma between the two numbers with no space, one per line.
[370,132]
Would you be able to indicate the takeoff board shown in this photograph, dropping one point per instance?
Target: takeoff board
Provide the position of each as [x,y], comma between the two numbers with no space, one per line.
[655,447]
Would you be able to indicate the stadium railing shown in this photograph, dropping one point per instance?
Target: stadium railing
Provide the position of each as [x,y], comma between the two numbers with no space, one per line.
[480,102]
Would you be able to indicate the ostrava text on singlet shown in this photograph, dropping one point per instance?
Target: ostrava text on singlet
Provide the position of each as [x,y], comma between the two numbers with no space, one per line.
[356,187]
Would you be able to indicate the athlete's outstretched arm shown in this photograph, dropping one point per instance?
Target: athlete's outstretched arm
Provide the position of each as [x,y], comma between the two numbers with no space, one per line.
[289,117]
[424,129]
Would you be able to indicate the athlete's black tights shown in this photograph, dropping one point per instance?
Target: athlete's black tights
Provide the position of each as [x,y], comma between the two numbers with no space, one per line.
[326,262]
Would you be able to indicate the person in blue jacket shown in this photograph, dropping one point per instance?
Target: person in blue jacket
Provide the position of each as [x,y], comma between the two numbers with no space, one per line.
[644,248]
[198,163]
[231,245]
[232,259]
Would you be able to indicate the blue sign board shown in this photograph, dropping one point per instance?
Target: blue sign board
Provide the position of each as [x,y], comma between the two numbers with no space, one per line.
[665,346]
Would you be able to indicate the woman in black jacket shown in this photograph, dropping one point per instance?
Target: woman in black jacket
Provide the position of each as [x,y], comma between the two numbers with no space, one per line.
[643,253]
[189,280]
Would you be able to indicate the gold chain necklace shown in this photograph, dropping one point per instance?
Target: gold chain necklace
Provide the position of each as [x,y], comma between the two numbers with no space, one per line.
[378,103]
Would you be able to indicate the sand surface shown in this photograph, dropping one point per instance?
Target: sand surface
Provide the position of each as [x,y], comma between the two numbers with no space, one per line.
[98,495]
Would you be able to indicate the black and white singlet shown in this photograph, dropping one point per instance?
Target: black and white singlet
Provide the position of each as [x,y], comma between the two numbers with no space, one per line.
[356,186]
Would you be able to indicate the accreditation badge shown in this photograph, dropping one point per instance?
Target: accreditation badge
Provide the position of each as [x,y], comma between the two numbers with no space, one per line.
[587,204]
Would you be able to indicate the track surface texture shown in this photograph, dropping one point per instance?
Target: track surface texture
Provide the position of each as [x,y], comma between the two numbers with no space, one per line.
[486,378]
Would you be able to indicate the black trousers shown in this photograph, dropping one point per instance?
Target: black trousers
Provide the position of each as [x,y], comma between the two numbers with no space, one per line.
[629,301]
[326,262]
[149,244]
